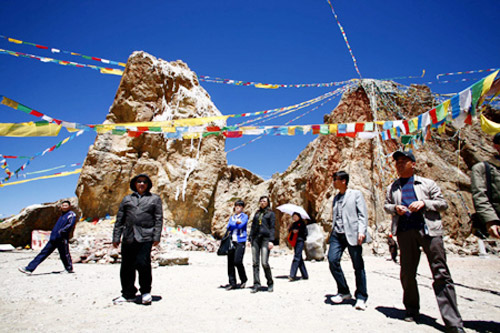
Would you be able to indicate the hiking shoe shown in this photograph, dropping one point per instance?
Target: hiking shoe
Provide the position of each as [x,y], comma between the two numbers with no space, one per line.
[360,305]
[270,288]
[121,299]
[24,270]
[254,289]
[292,278]
[147,298]
[339,298]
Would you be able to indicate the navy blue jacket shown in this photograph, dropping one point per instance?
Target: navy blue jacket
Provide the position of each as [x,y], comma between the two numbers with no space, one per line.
[63,226]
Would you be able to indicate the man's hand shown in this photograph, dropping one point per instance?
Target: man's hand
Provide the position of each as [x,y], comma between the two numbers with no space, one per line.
[270,246]
[361,238]
[115,244]
[400,209]
[415,206]
[493,229]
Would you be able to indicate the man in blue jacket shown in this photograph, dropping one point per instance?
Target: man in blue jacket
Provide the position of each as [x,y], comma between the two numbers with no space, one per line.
[59,239]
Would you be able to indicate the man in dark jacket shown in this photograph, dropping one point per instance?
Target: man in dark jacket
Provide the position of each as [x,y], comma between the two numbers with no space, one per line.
[262,237]
[59,239]
[139,223]
[487,198]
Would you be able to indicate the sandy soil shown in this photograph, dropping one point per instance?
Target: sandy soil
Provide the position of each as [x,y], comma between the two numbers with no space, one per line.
[188,298]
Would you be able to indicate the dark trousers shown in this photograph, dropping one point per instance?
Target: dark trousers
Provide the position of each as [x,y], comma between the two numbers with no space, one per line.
[260,250]
[136,257]
[62,246]
[298,261]
[409,243]
[235,259]
[338,243]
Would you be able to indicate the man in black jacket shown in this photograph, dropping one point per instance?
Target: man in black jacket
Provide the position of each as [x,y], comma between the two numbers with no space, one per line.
[139,221]
[262,237]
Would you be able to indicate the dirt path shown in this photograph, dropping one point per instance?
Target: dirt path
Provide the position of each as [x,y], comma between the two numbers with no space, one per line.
[188,298]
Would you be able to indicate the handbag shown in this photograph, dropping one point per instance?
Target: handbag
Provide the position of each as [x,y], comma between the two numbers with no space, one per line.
[225,245]
[292,238]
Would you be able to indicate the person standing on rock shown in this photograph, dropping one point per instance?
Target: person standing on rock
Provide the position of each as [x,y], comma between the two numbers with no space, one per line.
[299,229]
[415,204]
[262,237]
[138,224]
[349,229]
[59,239]
[237,227]
[485,188]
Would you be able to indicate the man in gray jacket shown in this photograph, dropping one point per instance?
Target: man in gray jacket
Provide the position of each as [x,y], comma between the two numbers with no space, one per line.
[349,229]
[139,223]
[487,200]
[414,203]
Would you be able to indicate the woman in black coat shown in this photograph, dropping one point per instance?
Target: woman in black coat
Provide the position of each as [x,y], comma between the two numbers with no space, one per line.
[298,230]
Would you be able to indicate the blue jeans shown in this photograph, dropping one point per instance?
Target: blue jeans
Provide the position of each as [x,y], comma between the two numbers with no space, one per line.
[338,243]
[298,261]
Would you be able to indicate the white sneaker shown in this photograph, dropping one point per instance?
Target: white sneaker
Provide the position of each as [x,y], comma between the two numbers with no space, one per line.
[360,305]
[339,298]
[121,299]
[147,298]
[23,269]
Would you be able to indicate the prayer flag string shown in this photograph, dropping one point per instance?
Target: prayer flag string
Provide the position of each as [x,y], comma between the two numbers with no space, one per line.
[56,175]
[345,39]
[54,50]
[102,70]
[467,72]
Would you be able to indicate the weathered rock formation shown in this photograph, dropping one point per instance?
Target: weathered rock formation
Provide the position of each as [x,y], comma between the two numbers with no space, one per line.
[198,188]
[17,229]
[184,173]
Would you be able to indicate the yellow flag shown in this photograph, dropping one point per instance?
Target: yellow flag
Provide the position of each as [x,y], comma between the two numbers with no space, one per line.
[28,129]
[488,126]
[111,71]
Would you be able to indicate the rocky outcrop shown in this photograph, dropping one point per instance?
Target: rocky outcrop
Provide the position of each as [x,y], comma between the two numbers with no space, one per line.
[199,189]
[17,229]
[184,172]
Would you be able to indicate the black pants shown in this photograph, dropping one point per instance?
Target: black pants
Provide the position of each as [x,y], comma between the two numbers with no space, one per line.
[235,259]
[298,261]
[260,250]
[61,244]
[136,257]
[409,243]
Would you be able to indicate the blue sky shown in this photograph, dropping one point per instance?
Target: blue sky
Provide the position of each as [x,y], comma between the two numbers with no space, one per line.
[263,41]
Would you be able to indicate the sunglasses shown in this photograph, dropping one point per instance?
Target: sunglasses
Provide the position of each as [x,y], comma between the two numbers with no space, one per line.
[141,182]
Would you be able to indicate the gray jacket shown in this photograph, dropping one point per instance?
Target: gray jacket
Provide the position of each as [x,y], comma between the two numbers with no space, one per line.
[427,191]
[488,210]
[139,218]
[354,216]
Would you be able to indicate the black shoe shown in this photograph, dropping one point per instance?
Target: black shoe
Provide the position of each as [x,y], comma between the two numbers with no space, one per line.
[243,285]
[254,289]
[455,330]
[270,288]
[231,287]
[411,317]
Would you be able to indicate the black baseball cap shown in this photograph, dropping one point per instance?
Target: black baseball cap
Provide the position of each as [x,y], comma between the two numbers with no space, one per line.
[399,153]
[496,139]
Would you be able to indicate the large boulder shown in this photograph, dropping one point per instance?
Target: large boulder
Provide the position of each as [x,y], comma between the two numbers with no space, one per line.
[184,172]
[17,229]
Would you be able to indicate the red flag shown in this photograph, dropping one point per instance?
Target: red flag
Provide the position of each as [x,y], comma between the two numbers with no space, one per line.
[433,115]
[213,128]
[360,127]
[233,134]
[36,113]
